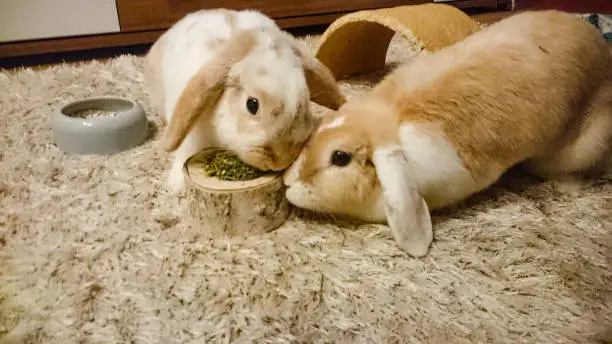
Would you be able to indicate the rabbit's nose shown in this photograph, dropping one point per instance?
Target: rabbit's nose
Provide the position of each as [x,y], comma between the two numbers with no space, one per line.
[272,157]
[279,157]
[271,160]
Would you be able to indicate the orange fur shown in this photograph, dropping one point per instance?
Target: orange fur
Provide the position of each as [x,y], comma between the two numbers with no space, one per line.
[533,88]
[472,103]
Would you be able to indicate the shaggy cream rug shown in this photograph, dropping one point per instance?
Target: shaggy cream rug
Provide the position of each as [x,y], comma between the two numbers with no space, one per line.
[94,250]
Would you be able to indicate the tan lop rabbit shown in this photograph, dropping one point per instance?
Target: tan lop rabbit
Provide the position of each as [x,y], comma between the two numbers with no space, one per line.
[234,79]
[535,88]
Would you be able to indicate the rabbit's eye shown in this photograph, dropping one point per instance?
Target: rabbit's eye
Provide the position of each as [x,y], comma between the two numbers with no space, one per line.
[252,104]
[340,158]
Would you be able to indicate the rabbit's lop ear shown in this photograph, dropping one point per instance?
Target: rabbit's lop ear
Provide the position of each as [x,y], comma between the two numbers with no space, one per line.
[322,85]
[407,212]
[204,89]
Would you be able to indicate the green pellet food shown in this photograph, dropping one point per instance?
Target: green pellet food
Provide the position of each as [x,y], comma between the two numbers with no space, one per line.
[225,165]
[92,113]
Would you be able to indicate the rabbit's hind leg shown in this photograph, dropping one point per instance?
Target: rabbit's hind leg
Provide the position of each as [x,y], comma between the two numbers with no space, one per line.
[586,152]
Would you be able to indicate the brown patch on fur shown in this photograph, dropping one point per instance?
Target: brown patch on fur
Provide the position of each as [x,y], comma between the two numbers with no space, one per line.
[261,71]
[279,106]
[282,152]
[230,16]
[277,47]
[214,44]
[204,89]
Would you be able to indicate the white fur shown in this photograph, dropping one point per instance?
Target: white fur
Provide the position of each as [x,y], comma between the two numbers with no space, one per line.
[406,210]
[292,174]
[202,135]
[387,175]
[436,167]
[336,122]
[300,193]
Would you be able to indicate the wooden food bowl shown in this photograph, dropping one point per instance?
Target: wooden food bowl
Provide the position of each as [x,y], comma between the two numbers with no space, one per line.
[234,208]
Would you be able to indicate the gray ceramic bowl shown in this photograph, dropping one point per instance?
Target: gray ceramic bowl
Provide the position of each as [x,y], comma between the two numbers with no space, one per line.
[123,126]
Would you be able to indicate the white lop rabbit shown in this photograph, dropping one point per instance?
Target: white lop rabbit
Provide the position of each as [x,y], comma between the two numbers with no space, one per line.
[234,79]
[535,88]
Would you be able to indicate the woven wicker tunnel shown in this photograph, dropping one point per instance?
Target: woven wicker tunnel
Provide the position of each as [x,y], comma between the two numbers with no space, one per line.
[358,42]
